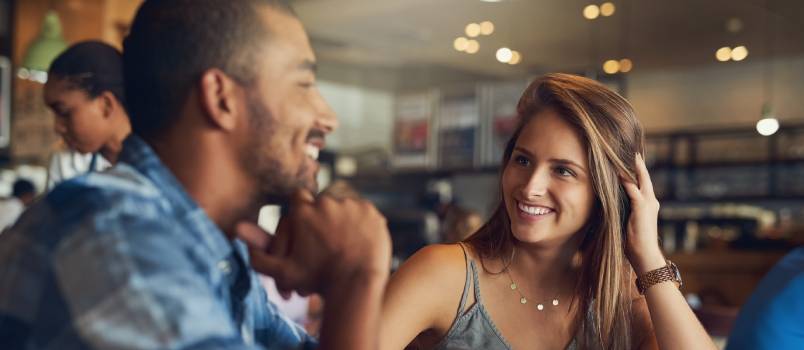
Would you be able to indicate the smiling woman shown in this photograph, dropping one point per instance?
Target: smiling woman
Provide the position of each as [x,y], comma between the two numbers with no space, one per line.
[577,207]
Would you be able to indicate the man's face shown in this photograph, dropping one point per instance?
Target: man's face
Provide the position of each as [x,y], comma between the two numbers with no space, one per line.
[288,118]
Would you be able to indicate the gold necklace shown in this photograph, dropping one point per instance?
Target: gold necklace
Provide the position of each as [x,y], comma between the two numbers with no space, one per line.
[522,299]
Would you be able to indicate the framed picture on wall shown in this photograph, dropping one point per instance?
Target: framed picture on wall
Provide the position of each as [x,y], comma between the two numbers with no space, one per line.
[5,101]
[413,135]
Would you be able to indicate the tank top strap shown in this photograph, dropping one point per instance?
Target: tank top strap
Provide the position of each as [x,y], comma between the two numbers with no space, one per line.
[469,266]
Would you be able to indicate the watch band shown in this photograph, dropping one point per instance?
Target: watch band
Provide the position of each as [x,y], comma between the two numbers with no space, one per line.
[665,273]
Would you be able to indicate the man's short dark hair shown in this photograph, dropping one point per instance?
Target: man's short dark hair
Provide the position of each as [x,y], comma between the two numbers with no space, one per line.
[172,42]
[23,187]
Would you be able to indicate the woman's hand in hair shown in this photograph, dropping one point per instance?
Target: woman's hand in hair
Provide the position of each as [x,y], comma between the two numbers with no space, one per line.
[642,241]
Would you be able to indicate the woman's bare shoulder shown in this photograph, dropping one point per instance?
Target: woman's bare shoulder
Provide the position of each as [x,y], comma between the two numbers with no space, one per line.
[443,262]
[423,295]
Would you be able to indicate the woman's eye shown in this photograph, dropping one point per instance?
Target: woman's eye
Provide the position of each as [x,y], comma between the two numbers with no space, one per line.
[522,160]
[564,171]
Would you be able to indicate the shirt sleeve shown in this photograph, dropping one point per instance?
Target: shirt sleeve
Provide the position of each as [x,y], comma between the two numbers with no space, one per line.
[128,284]
[275,330]
[773,317]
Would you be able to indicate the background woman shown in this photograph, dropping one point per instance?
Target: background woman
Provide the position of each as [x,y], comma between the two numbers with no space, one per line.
[86,94]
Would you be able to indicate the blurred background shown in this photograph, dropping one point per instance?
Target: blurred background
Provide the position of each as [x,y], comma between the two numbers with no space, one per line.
[426,93]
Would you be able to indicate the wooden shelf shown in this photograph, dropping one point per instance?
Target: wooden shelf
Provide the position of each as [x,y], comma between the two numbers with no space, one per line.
[725,277]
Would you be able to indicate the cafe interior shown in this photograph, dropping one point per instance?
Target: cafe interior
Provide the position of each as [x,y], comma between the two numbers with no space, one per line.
[426,94]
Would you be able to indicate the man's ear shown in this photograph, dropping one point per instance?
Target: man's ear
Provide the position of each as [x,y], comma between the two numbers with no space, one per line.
[217,94]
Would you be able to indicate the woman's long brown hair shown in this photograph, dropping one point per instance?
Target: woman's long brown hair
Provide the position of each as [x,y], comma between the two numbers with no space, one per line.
[608,126]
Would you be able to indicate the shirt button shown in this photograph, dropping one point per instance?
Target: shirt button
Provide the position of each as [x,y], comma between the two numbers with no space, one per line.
[224,266]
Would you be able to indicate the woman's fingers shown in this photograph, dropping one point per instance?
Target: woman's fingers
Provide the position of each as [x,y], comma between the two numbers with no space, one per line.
[631,189]
[645,183]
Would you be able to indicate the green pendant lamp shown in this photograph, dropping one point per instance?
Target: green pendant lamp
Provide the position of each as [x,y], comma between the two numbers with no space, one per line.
[47,46]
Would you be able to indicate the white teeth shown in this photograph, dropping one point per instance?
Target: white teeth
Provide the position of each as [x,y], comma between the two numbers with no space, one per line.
[312,151]
[534,210]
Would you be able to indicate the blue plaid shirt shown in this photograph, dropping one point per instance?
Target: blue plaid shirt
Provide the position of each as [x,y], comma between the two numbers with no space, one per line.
[124,259]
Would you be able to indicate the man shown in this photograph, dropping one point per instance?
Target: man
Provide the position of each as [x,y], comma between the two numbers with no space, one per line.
[773,317]
[22,195]
[150,254]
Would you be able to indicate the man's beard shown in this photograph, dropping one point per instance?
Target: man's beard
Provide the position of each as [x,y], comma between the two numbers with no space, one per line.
[275,184]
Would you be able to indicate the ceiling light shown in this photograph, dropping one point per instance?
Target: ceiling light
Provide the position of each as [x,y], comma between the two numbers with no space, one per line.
[739,53]
[723,54]
[490,0]
[591,12]
[472,46]
[611,66]
[486,28]
[607,9]
[472,30]
[734,25]
[768,126]
[626,65]
[504,55]
[23,73]
[460,44]
[48,44]
[515,58]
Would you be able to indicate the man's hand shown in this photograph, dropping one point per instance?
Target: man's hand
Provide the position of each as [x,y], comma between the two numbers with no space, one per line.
[321,243]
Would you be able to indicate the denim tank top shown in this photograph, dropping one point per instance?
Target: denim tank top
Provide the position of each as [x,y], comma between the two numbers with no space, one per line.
[474,328]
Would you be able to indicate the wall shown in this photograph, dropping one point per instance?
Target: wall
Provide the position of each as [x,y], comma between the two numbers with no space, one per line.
[720,95]
[365,116]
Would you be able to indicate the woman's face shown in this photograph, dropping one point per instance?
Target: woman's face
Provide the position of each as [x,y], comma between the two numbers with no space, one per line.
[79,119]
[547,187]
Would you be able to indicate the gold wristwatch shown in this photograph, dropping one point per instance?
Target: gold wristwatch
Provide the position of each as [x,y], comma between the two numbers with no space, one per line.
[665,273]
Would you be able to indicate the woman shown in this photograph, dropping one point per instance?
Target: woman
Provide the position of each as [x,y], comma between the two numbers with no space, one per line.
[551,268]
[86,94]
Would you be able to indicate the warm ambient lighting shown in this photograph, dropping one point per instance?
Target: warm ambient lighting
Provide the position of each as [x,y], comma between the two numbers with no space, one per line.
[472,46]
[32,75]
[611,66]
[486,28]
[736,54]
[504,55]
[626,65]
[734,25]
[472,30]
[739,53]
[723,54]
[607,9]
[460,44]
[591,12]
[767,126]
[515,57]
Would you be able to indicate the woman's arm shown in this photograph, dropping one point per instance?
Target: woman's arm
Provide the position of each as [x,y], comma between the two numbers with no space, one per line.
[422,295]
[674,324]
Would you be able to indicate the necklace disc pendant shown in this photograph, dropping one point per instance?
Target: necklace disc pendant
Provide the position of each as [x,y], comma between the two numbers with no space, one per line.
[513,286]
[523,300]
[540,307]
[555,302]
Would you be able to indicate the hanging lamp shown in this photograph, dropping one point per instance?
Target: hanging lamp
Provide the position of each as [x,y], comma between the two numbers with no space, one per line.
[44,49]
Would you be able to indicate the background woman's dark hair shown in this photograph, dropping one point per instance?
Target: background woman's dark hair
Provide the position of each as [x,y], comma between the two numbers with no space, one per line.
[91,66]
